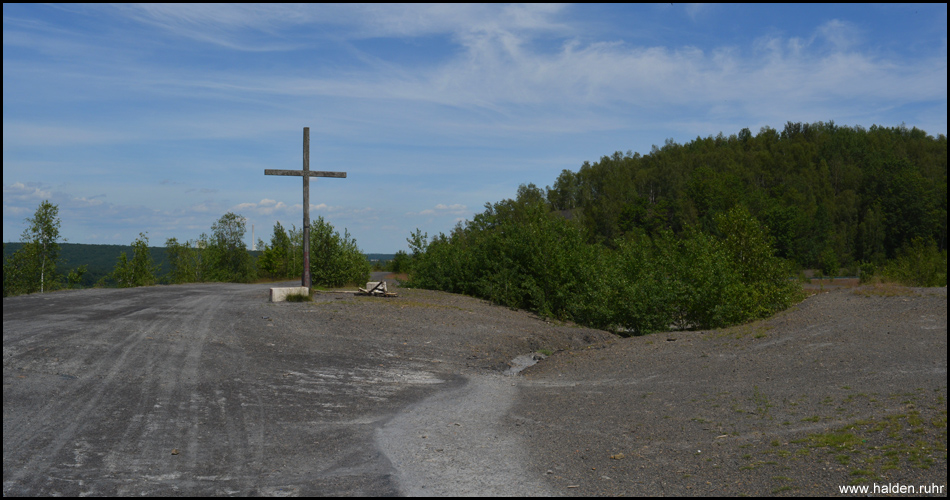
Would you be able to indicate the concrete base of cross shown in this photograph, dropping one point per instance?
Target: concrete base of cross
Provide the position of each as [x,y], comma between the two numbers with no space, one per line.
[280,294]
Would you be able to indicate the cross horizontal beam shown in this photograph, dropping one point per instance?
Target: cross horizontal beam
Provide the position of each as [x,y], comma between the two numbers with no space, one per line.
[300,173]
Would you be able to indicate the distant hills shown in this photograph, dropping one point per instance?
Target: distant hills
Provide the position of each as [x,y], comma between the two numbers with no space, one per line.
[100,259]
[381,257]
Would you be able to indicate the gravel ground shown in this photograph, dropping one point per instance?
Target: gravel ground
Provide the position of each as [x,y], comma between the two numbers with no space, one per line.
[842,389]
[211,390]
[848,387]
[376,396]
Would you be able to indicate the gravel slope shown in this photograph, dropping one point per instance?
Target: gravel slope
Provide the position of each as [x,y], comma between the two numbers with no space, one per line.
[841,389]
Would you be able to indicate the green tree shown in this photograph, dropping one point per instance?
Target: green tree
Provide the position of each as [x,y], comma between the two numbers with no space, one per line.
[20,272]
[275,259]
[74,278]
[418,242]
[763,275]
[33,267]
[181,261]
[230,259]
[140,271]
[335,260]
[673,237]
[401,262]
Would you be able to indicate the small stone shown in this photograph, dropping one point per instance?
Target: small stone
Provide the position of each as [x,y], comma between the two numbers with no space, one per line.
[618,456]
[175,451]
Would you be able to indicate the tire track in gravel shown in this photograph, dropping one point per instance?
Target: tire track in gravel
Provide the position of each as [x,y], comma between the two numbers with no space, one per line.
[64,416]
[147,359]
[100,386]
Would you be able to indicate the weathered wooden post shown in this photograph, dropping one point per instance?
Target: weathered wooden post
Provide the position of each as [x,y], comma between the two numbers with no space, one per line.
[306,173]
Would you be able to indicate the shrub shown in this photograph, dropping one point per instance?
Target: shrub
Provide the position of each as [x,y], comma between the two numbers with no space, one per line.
[918,264]
[519,254]
[228,255]
[139,271]
[335,260]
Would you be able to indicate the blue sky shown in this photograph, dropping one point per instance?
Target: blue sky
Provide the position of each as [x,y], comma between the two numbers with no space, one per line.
[162,118]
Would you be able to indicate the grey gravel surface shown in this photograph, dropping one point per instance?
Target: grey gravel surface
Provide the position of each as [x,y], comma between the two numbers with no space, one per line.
[211,390]
[841,389]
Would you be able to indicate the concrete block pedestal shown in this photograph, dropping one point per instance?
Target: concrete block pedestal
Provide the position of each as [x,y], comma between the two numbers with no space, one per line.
[280,294]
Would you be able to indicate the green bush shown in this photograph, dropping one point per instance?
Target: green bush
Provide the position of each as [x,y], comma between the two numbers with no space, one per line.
[519,254]
[699,280]
[918,264]
[401,262]
[228,256]
[335,260]
[139,271]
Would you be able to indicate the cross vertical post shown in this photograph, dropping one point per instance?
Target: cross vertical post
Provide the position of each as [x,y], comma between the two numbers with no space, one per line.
[306,173]
[305,279]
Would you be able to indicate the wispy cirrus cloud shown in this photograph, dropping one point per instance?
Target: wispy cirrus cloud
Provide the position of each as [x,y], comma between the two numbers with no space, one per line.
[179,107]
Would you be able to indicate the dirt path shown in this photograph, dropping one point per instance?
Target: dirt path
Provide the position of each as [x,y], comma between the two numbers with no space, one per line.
[455,443]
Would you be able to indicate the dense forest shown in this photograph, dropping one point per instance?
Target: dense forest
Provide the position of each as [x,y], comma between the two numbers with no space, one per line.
[98,259]
[704,234]
[830,196]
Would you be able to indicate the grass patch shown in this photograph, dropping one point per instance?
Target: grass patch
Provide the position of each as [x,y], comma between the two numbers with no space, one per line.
[761,402]
[837,440]
[893,442]
[738,332]
[299,297]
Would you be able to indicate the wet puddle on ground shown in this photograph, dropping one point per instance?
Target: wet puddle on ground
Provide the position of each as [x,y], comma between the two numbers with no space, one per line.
[524,361]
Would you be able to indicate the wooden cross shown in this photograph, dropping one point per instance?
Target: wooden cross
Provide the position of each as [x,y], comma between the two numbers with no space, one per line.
[306,173]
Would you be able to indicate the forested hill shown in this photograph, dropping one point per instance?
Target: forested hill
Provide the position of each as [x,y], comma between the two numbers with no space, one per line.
[829,195]
[100,260]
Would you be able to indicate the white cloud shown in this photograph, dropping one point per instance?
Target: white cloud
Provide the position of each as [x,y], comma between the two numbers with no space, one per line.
[502,72]
[28,192]
[442,209]
[89,202]
[446,102]
[268,207]
[840,34]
